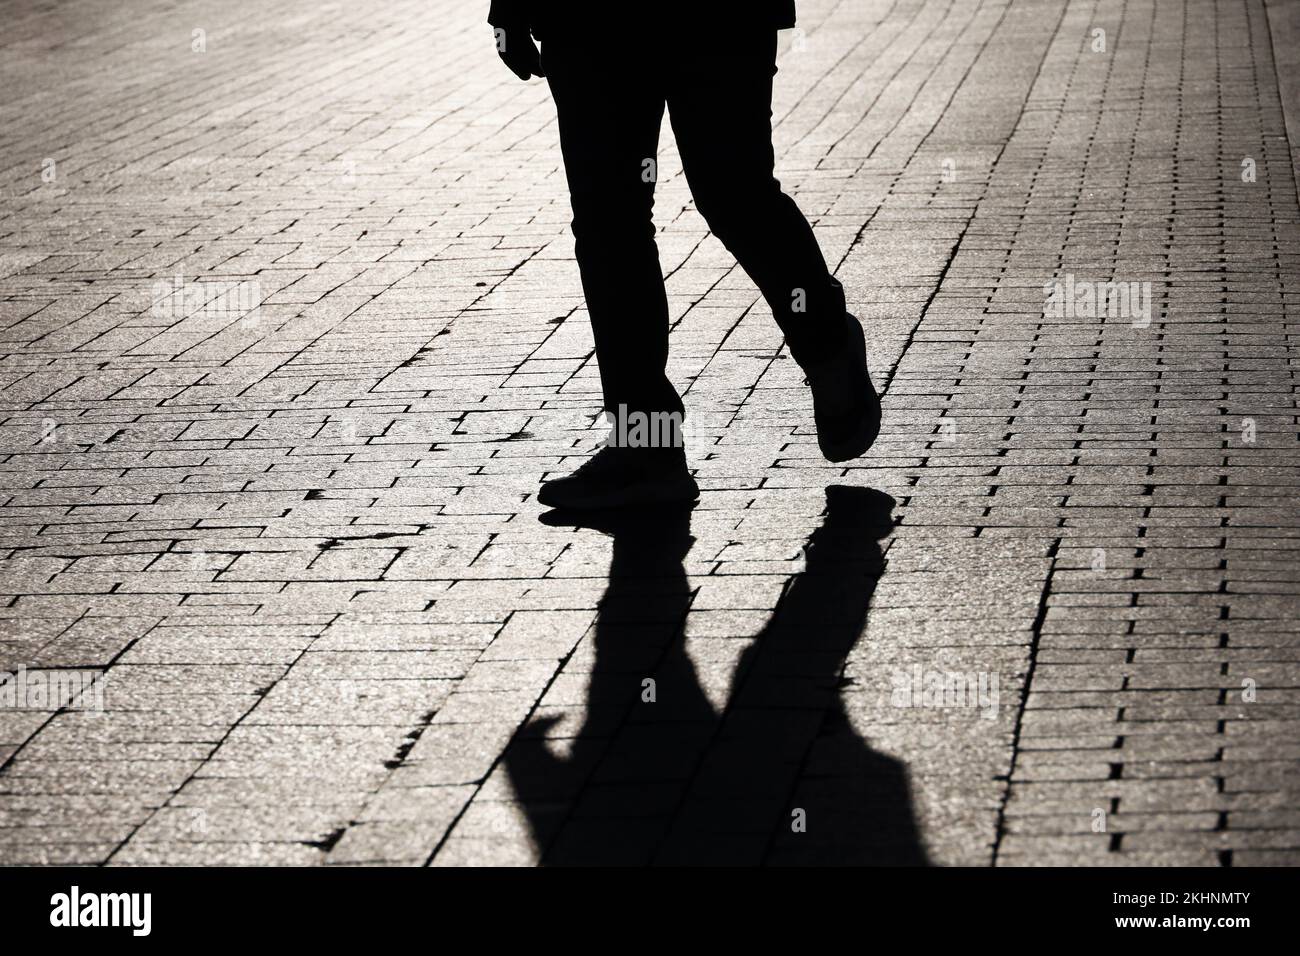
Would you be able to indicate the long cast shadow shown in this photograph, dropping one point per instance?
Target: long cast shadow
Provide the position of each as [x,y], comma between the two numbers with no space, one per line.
[778,776]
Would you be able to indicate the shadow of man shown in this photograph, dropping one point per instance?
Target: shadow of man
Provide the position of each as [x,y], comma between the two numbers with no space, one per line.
[657,775]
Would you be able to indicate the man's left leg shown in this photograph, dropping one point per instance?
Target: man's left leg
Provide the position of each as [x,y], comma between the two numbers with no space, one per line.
[609,106]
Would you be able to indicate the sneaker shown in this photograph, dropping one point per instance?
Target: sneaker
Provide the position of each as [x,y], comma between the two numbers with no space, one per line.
[623,478]
[846,407]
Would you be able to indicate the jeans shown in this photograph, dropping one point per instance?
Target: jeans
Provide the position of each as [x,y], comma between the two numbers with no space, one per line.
[610,94]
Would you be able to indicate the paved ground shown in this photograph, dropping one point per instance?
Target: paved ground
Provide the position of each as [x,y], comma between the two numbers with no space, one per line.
[299,541]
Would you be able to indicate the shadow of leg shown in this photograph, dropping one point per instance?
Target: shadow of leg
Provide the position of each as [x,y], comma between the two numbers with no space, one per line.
[669,780]
[787,755]
[611,798]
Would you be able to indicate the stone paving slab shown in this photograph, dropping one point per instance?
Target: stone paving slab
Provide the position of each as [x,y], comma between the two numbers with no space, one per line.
[290,330]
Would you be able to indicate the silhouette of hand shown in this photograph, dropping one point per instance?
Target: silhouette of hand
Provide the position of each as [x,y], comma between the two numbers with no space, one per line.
[517,50]
[537,774]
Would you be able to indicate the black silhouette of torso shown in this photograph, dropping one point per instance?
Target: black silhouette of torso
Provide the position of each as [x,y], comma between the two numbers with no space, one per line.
[548,18]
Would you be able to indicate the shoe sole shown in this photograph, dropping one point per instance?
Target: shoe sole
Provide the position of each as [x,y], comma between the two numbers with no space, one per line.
[676,490]
[861,441]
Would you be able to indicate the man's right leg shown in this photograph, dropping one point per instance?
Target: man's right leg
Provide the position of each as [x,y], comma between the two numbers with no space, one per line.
[719,98]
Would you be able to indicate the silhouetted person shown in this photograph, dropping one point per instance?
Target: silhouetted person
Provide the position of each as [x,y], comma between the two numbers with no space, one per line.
[678,781]
[711,63]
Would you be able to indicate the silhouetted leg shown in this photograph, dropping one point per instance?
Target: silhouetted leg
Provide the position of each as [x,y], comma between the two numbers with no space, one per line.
[720,104]
[609,114]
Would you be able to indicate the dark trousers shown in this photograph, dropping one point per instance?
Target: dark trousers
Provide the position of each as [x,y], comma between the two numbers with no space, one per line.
[610,96]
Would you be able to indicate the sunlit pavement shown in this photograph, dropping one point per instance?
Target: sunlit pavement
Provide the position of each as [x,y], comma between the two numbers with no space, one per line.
[292,330]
